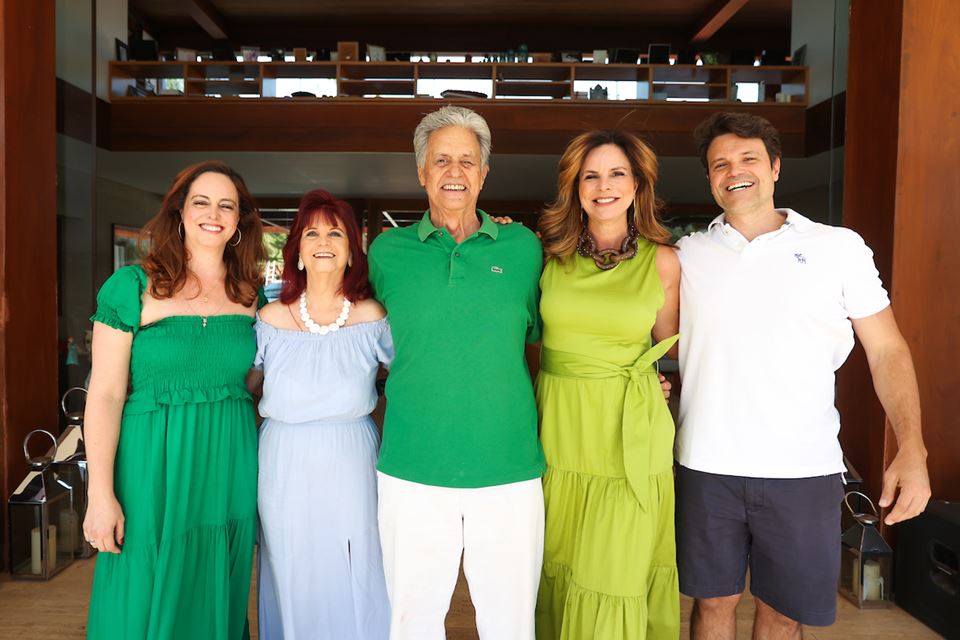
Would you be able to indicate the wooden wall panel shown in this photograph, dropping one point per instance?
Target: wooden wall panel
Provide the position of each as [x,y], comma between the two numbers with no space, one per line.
[28,251]
[870,169]
[926,244]
[901,194]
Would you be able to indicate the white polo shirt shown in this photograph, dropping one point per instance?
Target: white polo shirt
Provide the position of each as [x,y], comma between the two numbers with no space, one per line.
[764,326]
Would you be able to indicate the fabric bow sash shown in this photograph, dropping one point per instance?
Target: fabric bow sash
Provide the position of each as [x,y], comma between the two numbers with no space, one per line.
[636,424]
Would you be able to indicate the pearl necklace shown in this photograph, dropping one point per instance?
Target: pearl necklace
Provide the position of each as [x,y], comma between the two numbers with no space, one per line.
[313,327]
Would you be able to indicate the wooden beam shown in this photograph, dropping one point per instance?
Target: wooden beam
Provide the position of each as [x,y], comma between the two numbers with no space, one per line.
[207,16]
[715,17]
[383,125]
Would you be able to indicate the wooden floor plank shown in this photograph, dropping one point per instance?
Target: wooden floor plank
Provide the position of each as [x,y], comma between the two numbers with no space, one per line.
[58,609]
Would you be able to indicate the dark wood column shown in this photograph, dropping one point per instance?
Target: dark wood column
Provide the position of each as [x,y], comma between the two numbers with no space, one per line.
[28,234]
[902,194]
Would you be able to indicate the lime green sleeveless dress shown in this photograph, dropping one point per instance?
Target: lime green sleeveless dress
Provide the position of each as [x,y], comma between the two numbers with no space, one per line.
[185,475]
[609,570]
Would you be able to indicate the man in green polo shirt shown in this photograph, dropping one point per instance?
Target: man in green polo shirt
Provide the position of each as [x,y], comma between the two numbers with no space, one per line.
[460,464]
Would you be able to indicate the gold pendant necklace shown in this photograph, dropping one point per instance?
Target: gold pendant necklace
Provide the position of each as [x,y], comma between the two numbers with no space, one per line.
[205,298]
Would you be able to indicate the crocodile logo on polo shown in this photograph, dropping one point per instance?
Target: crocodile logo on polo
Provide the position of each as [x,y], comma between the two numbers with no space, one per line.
[496,269]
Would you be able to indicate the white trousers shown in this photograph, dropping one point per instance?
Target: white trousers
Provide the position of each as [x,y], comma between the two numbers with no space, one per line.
[499,531]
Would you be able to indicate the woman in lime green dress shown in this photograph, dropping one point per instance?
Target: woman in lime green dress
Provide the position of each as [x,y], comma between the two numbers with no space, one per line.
[173,467]
[610,290]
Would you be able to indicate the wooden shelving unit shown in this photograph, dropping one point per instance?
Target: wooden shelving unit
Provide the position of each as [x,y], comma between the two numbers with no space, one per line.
[545,80]
[611,72]
[554,81]
[690,82]
[791,81]
[455,70]
[125,75]
[387,79]
[222,79]
[273,71]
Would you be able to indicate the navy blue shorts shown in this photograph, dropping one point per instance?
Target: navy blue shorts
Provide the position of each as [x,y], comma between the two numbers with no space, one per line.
[786,530]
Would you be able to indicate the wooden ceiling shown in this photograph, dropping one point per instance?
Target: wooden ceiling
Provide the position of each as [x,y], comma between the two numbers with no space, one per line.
[675,13]
[465,25]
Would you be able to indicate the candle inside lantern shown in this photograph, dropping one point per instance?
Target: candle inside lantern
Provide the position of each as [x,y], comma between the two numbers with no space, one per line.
[36,567]
[871,580]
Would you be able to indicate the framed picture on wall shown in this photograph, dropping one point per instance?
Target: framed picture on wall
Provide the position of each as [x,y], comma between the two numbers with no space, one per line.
[126,246]
[122,53]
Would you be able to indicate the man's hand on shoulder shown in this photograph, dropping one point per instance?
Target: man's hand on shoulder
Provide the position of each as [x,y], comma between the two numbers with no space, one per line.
[908,471]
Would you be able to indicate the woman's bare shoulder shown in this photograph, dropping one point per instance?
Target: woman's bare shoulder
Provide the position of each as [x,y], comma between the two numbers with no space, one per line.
[278,315]
[367,311]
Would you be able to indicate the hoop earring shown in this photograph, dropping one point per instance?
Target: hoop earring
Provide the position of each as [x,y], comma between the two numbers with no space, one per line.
[239,238]
[299,264]
[180,230]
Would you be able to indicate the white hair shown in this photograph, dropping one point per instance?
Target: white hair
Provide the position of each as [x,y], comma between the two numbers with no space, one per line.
[451,116]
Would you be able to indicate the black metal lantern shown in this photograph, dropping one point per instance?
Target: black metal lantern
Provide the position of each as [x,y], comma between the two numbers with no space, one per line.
[43,524]
[866,560]
[70,466]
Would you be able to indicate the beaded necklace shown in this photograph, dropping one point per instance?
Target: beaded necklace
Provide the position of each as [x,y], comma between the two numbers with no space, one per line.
[323,329]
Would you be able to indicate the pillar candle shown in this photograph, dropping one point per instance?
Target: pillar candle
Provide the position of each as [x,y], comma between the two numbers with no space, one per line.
[36,567]
[871,580]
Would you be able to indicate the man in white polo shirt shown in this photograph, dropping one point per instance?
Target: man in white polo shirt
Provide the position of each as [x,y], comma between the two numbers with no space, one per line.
[770,303]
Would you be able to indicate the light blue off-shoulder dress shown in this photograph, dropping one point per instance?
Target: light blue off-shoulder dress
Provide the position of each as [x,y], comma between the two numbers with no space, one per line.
[320,565]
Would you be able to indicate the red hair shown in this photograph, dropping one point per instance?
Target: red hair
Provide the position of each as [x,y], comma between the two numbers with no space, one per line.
[319,204]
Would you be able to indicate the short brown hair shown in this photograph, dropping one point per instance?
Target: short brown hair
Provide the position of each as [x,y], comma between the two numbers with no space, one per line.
[166,259]
[561,222]
[742,125]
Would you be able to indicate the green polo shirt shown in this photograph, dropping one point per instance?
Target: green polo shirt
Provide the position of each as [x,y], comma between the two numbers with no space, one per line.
[460,407]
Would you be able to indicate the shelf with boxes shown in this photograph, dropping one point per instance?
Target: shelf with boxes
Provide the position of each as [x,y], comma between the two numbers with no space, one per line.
[521,81]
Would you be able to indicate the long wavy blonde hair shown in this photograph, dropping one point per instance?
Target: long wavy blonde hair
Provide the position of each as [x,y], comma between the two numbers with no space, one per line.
[561,223]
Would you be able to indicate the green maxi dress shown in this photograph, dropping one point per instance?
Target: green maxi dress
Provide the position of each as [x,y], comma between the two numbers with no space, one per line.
[609,569]
[185,475]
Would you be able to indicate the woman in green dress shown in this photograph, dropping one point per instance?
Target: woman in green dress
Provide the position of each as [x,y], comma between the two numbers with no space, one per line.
[610,308]
[173,466]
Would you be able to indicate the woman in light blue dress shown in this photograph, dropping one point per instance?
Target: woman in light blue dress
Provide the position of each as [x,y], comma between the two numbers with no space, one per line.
[319,348]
